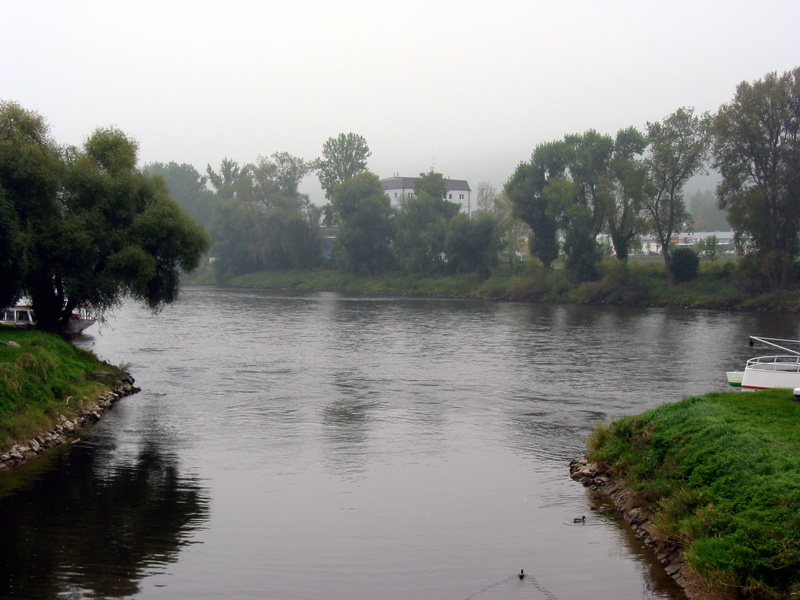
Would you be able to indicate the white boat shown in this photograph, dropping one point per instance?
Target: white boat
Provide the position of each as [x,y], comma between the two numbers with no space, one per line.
[767,372]
[22,315]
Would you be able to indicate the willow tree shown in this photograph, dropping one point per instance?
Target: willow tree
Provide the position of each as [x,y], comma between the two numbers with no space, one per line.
[94,228]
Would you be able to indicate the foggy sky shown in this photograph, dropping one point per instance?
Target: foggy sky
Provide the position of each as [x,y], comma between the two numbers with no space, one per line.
[473,86]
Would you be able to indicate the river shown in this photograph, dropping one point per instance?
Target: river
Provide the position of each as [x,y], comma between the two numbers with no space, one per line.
[311,446]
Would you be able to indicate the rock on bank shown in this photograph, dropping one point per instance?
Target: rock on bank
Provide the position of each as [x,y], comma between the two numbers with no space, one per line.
[67,428]
[638,516]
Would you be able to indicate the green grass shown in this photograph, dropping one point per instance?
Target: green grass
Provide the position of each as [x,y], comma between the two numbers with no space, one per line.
[722,475]
[37,379]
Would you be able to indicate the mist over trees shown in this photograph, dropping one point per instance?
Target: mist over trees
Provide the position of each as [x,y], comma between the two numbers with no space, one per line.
[573,202]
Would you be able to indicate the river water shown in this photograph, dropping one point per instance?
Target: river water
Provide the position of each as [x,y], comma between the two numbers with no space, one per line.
[323,446]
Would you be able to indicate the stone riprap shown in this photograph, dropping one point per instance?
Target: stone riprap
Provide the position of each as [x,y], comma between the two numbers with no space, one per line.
[67,428]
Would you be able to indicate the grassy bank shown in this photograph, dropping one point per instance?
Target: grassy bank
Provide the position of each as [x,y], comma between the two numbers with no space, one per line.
[44,377]
[722,474]
[718,286]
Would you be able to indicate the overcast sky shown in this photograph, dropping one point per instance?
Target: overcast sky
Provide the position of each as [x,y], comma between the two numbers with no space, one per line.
[474,86]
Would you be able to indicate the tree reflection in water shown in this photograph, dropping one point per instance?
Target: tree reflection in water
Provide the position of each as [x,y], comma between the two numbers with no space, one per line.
[85,533]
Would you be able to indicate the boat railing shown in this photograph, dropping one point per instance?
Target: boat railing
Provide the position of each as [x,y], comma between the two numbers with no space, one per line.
[782,363]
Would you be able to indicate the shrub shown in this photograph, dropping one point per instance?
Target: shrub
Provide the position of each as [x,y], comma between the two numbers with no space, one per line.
[685,264]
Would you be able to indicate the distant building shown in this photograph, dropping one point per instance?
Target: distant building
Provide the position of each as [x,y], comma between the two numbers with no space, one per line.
[456,190]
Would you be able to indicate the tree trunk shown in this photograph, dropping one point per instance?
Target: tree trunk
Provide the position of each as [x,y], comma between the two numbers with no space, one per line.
[668,265]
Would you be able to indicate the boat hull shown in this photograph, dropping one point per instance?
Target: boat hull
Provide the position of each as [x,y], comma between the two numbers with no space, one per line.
[765,376]
[735,378]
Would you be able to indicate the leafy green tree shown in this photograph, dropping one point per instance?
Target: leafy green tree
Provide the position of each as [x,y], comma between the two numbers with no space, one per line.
[343,157]
[678,149]
[584,203]
[624,189]
[267,224]
[757,151]
[225,181]
[472,245]
[12,257]
[526,190]
[96,229]
[422,220]
[709,247]
[363,241]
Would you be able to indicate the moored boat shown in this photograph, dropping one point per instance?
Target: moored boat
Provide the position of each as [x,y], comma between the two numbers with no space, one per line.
[22,315]
[772,371]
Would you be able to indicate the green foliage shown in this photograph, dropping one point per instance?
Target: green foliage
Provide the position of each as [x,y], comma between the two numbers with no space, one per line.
[721,472]
[421,226]
[12,254]
[678,149]
[685,264]
[526,190]
[343,157]
[95,228]
[756,149]
[709,247]
[472,245]
[366,225]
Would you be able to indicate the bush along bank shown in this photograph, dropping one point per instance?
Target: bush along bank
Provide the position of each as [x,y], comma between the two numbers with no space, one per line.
[634,283]
[49,391]
[712,483]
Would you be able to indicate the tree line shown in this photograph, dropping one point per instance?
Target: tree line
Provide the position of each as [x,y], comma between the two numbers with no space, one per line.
[84,226]
[258,219]
[573,189]
[557,203]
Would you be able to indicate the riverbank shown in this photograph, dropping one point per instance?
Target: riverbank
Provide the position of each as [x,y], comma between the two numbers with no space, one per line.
[49,391]
[712,484]
[636,284]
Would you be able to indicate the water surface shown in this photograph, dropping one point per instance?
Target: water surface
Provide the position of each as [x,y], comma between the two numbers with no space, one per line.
[324,446]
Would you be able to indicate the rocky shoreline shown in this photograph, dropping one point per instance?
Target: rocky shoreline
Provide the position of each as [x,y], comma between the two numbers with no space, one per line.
[638,516]
[67,428]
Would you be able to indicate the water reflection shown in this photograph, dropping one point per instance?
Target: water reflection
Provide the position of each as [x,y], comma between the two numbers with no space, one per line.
[90,531]
[359,448]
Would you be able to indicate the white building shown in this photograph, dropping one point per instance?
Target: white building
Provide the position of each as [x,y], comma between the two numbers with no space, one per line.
[456,190]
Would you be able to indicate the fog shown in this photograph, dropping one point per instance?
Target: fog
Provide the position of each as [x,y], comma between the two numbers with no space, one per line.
[469,88]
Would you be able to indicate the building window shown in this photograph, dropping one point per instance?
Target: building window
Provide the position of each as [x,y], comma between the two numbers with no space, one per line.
[450,197]
[461,196]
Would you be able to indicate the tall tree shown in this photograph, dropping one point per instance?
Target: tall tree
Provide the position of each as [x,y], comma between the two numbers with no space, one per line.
[363,241]
[678,150]
[343,157]
[96,228]
[624,190]
[224,182]
[526,190]
[757,151]
[584,206]
[273,182]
